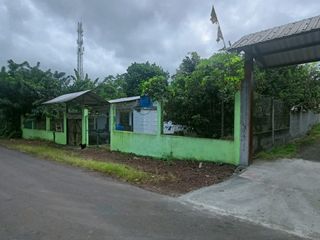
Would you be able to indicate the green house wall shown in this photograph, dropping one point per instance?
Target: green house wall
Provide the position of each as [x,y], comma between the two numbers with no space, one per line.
[57,137]
[177,147]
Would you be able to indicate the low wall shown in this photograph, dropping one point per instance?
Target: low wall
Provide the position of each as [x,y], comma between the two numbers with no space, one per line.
[57,137]
[165,146]
[302,122]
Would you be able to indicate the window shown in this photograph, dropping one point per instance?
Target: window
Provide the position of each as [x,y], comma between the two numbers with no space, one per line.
[124,121]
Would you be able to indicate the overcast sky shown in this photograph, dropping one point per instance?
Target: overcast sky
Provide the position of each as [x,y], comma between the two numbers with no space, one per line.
[119,32]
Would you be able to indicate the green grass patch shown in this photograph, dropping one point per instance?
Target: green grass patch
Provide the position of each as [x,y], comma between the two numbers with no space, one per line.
[121,171]
[292,149]
[285,151]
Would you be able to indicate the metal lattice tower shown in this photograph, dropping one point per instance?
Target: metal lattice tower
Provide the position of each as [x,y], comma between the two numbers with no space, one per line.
[80,50]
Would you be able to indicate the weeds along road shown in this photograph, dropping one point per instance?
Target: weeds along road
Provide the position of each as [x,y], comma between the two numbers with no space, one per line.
[40,199]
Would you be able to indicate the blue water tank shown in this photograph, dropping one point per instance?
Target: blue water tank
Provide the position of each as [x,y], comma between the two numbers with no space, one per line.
[145,101]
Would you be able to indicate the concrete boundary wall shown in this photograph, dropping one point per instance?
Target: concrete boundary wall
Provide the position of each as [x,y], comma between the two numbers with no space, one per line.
[57,137]
[301,122]
[177,147]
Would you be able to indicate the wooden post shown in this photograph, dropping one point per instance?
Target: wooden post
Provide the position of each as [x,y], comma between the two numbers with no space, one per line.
[246,112]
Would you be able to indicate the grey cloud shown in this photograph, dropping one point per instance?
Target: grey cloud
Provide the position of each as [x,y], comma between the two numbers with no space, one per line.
[119,32]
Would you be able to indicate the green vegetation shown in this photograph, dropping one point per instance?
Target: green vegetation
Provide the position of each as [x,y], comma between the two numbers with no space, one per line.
[292,149]
[312,137]
[284,151]
[120,171]
[199,95]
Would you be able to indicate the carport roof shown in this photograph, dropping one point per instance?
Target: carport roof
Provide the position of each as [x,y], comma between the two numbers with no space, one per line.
[293,43]
[84,98]
[126,99]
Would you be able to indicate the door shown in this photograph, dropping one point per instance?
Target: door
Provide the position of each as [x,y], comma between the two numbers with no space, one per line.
[74,132]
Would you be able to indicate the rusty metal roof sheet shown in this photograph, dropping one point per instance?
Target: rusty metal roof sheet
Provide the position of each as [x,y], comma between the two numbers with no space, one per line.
[84,97]
[126,99]
[293,43]
[283,31]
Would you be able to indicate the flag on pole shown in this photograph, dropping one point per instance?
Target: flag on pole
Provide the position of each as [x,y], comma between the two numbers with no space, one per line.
[219,35]
[213,18]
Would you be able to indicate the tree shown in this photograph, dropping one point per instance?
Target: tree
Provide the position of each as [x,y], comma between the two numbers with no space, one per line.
[77,84]
[137,73]
[198,95]
[22,89]
[156,87]
[297,85]
[111,87]
[189,63]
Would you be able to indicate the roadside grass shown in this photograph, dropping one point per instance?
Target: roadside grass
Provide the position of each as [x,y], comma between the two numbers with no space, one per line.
[291,150]
[120,171]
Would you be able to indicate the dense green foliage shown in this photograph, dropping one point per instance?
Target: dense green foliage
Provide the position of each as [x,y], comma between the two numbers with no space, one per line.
[137,73]
[199,95]
[298,86]
[23,88]
[202,92]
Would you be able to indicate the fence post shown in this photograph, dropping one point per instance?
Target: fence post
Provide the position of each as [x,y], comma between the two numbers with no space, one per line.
[273,123]
[159,119]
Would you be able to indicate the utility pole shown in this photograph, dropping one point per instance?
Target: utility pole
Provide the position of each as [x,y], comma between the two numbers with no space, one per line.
[80,51]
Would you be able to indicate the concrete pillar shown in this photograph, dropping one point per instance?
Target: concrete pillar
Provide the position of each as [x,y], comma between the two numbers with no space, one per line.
[246,99]
[112,120]
[85,126]
[112,117]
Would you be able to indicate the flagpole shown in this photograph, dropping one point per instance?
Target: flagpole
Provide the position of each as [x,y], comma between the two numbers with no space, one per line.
[224,42]
[214,19]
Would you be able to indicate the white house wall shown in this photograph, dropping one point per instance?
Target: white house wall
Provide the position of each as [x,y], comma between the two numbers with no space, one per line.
[145,121]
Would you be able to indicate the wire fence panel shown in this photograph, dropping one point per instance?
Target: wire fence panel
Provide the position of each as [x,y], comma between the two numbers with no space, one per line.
[269,114]
[271,122]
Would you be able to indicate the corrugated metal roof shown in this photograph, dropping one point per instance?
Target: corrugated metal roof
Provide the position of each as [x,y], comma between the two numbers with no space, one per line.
[66,97]
[126,99]
[283,31]
[84,97]
[290,44]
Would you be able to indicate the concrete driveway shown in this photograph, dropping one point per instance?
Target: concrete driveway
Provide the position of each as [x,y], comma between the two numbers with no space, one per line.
[282,194]
[42,200]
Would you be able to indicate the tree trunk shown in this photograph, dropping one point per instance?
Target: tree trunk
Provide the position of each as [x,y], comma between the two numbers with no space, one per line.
[222,119]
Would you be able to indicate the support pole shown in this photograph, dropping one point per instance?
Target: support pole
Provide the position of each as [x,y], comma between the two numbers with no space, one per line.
[159,119]
[85,125]
[246,112]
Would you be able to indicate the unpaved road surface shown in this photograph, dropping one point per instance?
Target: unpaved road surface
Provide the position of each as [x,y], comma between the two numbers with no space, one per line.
[44,200]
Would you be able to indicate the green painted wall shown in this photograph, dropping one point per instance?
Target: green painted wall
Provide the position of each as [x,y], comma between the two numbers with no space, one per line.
[37,134]
[57,137]
[166,146]
[237,128]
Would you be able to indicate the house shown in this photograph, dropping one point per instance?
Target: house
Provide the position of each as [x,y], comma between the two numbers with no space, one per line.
[131,125]
[79,118]
[136,126]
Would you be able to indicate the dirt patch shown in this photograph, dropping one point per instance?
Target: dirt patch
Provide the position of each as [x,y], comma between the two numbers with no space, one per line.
[175,177]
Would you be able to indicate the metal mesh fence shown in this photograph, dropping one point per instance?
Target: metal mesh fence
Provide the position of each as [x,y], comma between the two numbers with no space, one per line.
[269,114]
[271,122]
